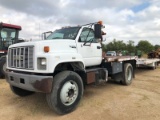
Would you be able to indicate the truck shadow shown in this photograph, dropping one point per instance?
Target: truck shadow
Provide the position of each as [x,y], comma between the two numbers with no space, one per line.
[143,70]
[35,104]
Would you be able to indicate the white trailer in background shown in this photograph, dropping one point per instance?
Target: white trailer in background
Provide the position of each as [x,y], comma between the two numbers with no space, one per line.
[150,63]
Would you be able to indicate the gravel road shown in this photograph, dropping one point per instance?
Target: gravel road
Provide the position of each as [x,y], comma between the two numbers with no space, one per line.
[110,101]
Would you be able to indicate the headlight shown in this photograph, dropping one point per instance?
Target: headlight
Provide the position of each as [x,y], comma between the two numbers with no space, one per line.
[43,61]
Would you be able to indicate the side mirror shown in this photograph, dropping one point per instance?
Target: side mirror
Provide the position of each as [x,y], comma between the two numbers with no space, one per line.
[98,31]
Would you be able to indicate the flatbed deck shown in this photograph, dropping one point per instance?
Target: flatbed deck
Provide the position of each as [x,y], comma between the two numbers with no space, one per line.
[140,62]
[119,58]
[145,62]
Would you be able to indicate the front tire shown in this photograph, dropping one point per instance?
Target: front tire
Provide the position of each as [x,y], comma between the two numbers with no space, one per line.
[20,92]
[128,74]
[67,91]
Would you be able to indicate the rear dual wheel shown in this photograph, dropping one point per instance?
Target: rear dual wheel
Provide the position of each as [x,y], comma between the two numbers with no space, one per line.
[128,74]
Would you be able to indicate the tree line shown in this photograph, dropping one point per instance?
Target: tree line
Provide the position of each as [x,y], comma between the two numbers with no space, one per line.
[118,45]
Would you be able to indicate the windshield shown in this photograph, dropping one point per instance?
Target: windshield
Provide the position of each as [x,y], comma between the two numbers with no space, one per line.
[65,33]
[7,37]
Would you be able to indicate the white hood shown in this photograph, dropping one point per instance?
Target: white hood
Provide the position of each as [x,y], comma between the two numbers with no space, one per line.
[56,45]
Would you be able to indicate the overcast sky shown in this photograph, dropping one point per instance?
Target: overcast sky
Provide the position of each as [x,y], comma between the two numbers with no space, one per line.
[124,19]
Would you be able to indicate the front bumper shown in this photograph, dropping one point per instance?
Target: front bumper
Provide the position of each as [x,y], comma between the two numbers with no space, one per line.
[34,83]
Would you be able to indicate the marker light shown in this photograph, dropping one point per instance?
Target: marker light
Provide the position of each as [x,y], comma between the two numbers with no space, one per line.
[100,22]
[46,48]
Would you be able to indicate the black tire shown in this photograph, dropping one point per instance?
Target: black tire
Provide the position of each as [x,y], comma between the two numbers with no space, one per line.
[62,88]
[20,92]
[128,74]
[2,67]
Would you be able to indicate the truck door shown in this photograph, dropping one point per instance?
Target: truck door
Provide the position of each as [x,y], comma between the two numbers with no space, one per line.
[89,48]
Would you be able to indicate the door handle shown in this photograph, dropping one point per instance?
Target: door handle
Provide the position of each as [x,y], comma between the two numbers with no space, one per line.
[99,47]
[72,46]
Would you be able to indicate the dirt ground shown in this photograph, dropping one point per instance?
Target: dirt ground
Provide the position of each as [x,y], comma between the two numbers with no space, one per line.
[110,101]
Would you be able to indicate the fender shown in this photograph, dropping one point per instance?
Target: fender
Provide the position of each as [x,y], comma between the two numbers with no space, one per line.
[55,60]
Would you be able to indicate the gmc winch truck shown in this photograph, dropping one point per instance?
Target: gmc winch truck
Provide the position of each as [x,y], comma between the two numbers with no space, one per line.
[62,65]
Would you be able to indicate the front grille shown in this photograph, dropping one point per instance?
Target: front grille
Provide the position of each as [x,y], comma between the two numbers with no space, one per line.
[21,57]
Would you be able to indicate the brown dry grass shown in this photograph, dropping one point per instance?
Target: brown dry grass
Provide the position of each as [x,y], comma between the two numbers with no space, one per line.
[139,101]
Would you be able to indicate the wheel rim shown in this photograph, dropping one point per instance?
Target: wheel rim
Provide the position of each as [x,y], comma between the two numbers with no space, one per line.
[129,74]
[69,93]
[4,67]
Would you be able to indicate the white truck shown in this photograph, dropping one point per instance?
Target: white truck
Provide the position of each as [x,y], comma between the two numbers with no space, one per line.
[63,64]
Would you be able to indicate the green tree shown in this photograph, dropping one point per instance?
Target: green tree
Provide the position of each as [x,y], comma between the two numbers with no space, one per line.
[130,46]
[156,47]
[104,47]
[145,46]
[116,45]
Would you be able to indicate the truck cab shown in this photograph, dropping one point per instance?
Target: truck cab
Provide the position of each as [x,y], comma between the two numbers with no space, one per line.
[81,40]
[66,45]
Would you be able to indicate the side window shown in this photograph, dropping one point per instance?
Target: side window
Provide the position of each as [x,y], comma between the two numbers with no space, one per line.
[3,34]
[13,34]
[8,35]
[87,35]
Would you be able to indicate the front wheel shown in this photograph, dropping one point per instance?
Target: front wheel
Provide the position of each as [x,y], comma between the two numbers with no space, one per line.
[128,74]
[67,91]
